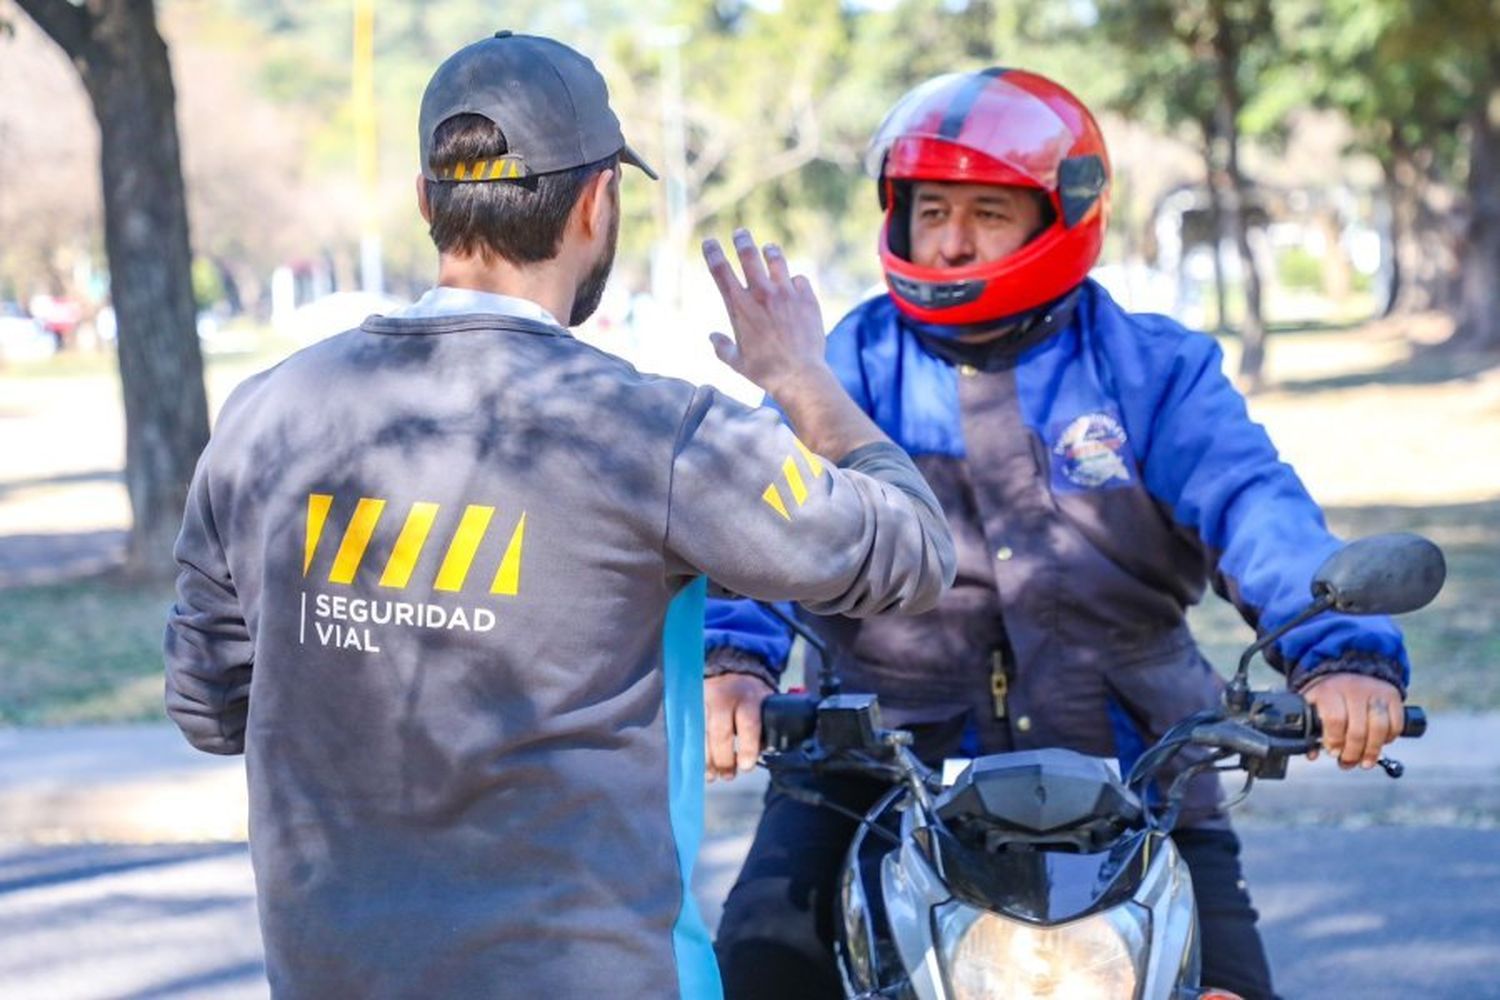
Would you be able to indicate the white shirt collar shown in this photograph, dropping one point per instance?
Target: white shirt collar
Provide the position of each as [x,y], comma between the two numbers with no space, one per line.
[447,301]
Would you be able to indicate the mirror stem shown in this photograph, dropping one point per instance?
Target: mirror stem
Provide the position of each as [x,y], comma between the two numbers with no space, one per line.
[1237,694]
[828,679]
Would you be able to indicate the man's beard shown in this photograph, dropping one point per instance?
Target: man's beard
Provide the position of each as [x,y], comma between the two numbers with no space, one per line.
[591,289]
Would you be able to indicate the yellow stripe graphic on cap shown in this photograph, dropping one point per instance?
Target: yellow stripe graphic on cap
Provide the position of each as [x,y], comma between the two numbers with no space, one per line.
[318,505]
[409,544]
[814,463]
[772,496]
[466,539]
[794,480]
[508,576]
[356,539]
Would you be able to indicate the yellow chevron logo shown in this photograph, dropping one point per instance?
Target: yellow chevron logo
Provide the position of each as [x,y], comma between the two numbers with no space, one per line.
[470,541]
[791,474]
[504,168]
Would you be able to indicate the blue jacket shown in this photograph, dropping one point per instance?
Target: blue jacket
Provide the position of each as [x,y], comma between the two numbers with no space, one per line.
[1098,471]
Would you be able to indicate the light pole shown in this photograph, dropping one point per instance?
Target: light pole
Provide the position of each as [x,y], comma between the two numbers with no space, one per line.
[366,154]
[667,263]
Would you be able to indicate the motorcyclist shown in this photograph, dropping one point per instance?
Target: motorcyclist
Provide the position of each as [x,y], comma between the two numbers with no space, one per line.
[1098,471]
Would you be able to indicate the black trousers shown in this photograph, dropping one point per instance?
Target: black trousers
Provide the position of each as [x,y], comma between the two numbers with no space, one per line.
[775,939]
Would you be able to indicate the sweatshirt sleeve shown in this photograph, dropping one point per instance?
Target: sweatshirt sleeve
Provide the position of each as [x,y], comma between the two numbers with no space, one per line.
[750,506]
[208,650]
[1221,476]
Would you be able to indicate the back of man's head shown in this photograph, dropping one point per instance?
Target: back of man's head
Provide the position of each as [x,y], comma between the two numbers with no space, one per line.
[521,220]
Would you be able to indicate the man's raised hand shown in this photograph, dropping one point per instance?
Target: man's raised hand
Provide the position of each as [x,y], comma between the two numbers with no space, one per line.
[776,319]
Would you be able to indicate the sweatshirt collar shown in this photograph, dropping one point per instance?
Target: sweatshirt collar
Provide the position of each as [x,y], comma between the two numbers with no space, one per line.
[445,300]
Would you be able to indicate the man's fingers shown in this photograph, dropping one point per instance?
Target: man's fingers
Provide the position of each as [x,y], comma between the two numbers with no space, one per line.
[747,732]
[1378,710]
[754,267]
[719,267]
[776,264]
[727,350]
[1354,734]
[1396,712]
[1335,722]
[720,726]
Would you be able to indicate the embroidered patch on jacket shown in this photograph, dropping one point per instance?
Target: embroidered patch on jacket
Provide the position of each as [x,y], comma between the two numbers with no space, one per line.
[1091,450]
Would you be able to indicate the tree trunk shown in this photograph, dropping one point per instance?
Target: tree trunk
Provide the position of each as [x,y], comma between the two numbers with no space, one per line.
[1216,225]
[1479,304]
[123,62]
[1252,327]
[1400,236]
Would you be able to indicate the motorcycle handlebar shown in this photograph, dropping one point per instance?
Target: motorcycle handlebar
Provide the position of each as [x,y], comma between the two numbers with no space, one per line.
[1414,722]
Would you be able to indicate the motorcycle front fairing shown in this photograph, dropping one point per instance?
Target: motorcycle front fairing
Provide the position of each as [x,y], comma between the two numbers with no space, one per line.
[1010,849]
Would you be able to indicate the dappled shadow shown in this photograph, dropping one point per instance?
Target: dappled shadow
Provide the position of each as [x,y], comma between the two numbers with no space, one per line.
[1422,368]
[57,866]
[1303,327]
[1391,912]
[9,486]
[201,984]
[50,557]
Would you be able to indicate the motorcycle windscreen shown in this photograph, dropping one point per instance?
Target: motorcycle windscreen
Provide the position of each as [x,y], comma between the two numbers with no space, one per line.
[1043,886]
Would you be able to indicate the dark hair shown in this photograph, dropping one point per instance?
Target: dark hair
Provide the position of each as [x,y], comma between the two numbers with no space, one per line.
[520,220]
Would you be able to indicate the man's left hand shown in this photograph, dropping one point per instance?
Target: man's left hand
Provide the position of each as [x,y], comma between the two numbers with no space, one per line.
[1360,715]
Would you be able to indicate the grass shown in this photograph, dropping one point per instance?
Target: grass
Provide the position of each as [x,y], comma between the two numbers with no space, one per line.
[1396,444]
[90,650]
[83,651]
[1454,643]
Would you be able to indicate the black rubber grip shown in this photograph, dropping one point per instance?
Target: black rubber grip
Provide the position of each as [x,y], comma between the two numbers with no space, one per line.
[1414,722]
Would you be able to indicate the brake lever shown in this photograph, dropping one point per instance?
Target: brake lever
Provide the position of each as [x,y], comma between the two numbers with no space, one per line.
[1233,736]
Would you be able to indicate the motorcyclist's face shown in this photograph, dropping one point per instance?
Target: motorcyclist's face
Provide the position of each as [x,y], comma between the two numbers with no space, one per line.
[953,225]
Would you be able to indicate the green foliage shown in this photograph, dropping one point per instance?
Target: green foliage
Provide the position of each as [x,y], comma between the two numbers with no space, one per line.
[208,284]
[1297,268]
[1406,73]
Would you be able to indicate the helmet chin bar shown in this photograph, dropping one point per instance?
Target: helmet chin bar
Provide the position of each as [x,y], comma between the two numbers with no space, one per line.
[937,294]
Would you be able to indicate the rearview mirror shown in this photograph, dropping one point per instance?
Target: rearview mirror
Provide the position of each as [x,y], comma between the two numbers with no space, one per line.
[1382,575]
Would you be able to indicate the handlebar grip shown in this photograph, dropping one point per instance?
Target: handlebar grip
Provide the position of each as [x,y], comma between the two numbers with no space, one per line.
[1413,725]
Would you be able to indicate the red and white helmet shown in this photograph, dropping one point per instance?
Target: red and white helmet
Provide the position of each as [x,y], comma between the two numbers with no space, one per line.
[996,126]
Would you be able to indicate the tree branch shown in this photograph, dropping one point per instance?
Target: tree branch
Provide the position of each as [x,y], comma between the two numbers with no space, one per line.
[67,24]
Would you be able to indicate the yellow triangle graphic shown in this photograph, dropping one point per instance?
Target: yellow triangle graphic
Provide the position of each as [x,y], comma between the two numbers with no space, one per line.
[318,505]
[772,496]
[508,577]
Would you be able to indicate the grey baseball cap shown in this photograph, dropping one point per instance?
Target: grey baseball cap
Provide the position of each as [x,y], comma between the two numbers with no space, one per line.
[548,100]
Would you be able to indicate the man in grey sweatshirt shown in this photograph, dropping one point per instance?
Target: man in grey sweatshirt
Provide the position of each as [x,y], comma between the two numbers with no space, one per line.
[441,578]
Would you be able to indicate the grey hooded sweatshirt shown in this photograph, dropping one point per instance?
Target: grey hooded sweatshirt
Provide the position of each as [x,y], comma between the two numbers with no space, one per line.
[437,583]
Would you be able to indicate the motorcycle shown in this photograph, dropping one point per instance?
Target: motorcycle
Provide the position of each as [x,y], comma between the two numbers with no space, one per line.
[1045,873]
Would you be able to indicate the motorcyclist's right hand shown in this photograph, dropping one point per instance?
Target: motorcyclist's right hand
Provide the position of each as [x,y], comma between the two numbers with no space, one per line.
[731,705]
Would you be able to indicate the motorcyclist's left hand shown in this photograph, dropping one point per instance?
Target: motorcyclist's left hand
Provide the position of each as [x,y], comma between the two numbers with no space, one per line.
[731,708]
[1360,716]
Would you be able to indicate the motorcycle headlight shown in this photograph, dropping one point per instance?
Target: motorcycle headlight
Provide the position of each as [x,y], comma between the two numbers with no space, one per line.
[989,957]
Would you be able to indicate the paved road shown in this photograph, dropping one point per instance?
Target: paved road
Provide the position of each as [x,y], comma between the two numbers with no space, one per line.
[1374,913]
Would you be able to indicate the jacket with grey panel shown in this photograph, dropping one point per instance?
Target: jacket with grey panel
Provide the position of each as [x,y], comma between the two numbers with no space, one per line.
[423,573]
